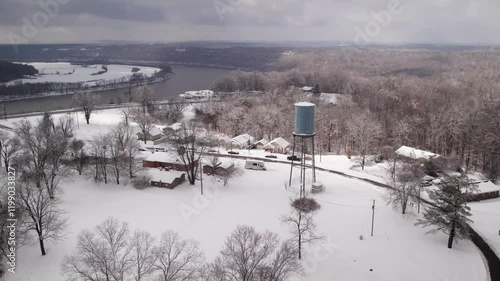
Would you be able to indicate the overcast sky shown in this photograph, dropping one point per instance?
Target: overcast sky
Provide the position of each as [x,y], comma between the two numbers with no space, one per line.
[440,21]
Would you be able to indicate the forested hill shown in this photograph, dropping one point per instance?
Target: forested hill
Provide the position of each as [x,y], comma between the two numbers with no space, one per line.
[246,57]
[12,71]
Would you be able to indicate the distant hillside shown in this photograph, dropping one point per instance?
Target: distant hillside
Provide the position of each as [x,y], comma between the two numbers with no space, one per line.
[252,58]
[12,71]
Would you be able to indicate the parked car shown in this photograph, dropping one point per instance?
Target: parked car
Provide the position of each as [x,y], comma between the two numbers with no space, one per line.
[425,183]
[233,152]
[271,156]
[293,158]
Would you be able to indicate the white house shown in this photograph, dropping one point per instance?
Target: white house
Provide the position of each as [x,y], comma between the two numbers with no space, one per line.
[241,141]
[307,89]
[197,95]
[416,154]
[332,98]
[279,145]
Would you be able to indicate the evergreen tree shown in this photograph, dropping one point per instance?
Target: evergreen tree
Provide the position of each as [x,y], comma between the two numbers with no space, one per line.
[449,214]
[316,90]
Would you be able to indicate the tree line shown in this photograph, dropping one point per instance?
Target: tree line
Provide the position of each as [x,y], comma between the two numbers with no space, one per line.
[444,102]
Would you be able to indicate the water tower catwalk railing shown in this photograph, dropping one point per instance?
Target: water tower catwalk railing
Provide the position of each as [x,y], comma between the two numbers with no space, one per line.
[304,132]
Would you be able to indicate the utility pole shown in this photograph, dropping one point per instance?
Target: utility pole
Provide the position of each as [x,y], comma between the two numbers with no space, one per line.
[373,215]
[201,177]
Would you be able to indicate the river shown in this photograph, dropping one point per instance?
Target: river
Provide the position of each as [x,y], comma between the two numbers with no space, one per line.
[186,78]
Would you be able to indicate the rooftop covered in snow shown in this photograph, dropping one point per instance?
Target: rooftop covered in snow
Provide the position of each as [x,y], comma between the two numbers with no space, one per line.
[415,153]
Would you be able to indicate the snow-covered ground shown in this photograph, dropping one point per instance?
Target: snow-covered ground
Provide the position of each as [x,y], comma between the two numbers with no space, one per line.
[486,217]
[398,250]
[62,72]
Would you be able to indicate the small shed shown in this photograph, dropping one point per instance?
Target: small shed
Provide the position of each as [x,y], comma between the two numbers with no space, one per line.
[278,145]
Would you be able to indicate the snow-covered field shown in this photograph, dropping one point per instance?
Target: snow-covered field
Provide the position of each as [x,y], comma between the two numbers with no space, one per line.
[62,72]
[398,251]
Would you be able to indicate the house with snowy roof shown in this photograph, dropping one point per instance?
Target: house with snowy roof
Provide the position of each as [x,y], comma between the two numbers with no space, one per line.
[278,145]
[307,89]
[260,144]
[416,154]
[485,190]
[222,168]
[241,142]
[164,160]
[154,134]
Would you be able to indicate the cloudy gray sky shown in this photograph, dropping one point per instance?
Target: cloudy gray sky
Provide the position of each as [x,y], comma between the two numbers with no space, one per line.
[443,21]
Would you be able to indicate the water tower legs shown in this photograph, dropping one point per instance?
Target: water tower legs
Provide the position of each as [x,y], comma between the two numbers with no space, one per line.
[304,141]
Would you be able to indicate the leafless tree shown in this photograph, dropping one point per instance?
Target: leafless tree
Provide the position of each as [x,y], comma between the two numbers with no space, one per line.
[117,157]
[127,142]
[177,258]
[249,255]
[230,173]
[100,153]
[126,115]
[143,96]
[43,212]
[129,93]
[145,122]
[172,111]
[365,132]
[87,102]
[80,159]
[43,147]
[143,255]
[300,221]
[101,255]
[189,143]
[405,183]
[9,147]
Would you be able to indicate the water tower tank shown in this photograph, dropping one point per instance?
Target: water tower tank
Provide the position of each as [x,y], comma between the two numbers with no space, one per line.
[304,118]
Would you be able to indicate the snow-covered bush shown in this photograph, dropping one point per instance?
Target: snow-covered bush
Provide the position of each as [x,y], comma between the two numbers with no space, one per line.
[141,182]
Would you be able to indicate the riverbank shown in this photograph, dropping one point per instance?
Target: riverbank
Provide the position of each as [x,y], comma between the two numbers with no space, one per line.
[96,90]
[186,78]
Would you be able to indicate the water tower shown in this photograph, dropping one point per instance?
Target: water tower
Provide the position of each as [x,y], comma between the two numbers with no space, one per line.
[303,140]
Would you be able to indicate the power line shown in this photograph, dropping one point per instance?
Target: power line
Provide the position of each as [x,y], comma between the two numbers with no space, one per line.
[342,205]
